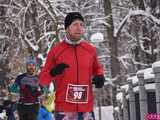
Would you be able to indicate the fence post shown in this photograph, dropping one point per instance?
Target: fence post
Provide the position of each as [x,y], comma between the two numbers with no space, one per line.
[132,106]
[156,71]
[142,95]
[125,105]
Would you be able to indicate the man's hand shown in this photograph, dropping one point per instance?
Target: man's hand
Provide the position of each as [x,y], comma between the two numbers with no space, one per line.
[58,69]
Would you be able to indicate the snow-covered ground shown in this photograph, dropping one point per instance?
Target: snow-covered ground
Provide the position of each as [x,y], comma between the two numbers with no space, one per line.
[107,113]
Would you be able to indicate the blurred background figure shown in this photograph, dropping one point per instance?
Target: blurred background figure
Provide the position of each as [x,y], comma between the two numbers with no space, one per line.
[46,111]
[27,85]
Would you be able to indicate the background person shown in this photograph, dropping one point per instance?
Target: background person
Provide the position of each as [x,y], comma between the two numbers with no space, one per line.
[47,106]
[27,84]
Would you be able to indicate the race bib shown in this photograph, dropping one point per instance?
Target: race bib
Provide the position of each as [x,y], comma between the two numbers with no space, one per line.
[77,93]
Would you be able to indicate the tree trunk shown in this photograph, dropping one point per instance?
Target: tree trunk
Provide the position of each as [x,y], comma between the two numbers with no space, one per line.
[112,40]
[114,63]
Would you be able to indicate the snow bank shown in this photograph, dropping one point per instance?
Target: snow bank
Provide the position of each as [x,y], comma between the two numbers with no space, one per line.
[107,113]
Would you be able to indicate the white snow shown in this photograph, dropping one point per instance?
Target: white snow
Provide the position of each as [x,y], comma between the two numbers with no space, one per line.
[156,64]
[3,36]
[107,113]
[34,47]
[150,86]
[147,87]
[136,89]
[119,96]
[97,37]
[148,73]
[125,87]
[134,79]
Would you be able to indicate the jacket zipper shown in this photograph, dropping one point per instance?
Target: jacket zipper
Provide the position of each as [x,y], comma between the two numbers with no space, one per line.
[77,71]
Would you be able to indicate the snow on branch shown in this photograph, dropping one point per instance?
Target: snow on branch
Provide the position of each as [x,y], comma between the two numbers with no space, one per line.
[50,45]
[59,13]
[100,18]
[20,12]
[15,3]
[25,12]
[86,2]
[102,22]
[9,6]
[46,34]
[127,60]
[34,47]
[124,60]
[75,3]
[90,14]
[63,5]
[46,9]
[89,7]
[135,13]
[4,36]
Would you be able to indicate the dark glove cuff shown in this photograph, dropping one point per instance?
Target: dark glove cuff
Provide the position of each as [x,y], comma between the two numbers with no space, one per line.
[99,81]
[53,73]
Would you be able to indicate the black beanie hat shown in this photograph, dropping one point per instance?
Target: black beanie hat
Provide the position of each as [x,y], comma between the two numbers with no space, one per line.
[71,17]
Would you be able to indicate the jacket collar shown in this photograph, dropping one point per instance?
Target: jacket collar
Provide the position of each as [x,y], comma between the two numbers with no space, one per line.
[72,42]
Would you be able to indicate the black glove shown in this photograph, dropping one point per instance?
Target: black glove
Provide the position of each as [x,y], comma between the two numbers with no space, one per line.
[99,81]
[58,69]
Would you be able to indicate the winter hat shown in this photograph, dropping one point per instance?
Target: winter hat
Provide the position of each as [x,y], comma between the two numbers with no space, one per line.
[72,16]
[31,60]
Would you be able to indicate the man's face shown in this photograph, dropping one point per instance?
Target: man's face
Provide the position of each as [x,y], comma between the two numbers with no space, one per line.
[75,30]
[31,68]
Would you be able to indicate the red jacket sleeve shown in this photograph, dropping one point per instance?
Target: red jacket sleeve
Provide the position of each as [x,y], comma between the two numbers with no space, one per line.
[44,76]
[97,66]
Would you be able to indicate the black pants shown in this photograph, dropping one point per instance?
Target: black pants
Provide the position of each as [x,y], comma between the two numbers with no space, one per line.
[28,112]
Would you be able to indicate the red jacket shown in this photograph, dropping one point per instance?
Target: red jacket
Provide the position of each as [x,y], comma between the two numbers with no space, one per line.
[74,86]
